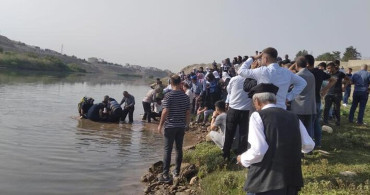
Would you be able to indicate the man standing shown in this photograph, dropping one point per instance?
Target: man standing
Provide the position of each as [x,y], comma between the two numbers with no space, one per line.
[320,76]
[304,105]
[347,91]
[175,117]
[129,107]
[334,95]
[361,80]
[277,138]
[237,115]
[148,99]
[271,72]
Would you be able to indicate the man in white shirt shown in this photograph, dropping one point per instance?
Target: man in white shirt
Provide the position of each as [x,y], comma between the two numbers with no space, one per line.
[271,72]
[277,137]
[237,115]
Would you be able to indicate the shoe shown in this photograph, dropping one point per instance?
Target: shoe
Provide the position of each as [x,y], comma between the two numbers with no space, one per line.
[175,173]
[345,105]
[164,178]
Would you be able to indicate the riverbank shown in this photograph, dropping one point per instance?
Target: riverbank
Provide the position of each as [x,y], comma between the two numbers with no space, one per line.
[341,166]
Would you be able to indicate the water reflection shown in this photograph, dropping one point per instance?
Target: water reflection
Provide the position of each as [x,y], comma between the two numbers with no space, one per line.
[16,77]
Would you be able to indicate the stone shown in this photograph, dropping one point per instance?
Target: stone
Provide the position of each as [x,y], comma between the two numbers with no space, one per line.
[193,180]
[144,178]
[348,173]
[189,171]
[151,177]
[208,138]
[156,167]
[327,129]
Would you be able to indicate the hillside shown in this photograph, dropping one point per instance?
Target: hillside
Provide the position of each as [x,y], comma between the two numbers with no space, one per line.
[16,55]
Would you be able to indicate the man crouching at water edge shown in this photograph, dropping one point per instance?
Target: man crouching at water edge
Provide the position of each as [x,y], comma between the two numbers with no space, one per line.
[175,117]
[277,137]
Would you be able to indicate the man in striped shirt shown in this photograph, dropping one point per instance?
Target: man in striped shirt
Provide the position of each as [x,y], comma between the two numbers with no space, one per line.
[175,117]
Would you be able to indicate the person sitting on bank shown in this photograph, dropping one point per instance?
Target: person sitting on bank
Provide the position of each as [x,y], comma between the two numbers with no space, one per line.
[276,137]
[218,124]
[115,110]
[129,107]
[84,106]
[206,109]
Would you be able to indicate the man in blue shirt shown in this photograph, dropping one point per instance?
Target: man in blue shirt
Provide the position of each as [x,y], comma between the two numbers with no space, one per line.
[361,80]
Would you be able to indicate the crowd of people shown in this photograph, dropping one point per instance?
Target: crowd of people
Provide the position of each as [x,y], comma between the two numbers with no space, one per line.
[265,110]
[271,107]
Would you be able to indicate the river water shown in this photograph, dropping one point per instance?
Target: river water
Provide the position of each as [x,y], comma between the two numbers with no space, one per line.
[46,149]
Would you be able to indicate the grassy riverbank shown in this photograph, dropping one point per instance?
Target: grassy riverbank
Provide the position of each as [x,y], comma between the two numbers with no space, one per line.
[30,61]
[346,149]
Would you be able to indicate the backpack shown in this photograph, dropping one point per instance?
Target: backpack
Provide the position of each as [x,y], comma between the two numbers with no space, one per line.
[85,101]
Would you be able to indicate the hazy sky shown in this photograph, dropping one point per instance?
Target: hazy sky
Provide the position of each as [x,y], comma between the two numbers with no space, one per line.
[170,34]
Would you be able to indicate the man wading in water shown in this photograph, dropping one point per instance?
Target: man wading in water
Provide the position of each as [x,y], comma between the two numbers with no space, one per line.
[175,117]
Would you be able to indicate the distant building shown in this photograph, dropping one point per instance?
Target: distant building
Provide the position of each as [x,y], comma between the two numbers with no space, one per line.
[93,60]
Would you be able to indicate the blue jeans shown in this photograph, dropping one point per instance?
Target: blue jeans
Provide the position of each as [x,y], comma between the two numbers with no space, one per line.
[359,97]
[347,93]
[316,124]
[172,135]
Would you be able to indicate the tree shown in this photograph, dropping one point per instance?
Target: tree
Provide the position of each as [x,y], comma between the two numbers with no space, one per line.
[335,55]
[301,53]
[351,53]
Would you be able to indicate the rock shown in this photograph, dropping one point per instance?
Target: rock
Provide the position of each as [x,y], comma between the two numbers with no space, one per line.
[208,138]
[193,180]
[144,178]
[348,173]
[147,190]
[151,177]
[189,171]
[327,129]
[156,167]
[176,181]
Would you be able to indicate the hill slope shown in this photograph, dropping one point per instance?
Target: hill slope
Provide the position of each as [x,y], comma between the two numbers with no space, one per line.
[20,56]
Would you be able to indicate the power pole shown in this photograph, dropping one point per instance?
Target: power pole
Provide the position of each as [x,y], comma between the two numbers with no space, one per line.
[61,49]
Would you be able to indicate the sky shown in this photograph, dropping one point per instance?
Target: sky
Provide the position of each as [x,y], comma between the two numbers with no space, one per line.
[170,34]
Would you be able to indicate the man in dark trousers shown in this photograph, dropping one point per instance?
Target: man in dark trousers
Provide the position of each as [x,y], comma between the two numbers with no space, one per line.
[175,117]
[129,107]
[277,137]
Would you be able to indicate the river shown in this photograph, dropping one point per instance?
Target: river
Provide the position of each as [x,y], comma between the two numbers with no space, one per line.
[46,149]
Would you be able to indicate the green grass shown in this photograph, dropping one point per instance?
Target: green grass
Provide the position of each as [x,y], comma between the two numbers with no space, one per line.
[33,62]
[348,146]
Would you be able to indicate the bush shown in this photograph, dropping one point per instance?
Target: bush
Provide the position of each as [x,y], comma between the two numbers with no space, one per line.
[76,68]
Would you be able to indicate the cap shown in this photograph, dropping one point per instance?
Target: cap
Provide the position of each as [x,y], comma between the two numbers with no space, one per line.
[263,87]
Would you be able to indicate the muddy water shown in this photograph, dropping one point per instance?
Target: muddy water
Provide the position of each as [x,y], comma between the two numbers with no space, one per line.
[45,149]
